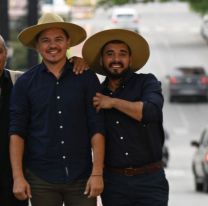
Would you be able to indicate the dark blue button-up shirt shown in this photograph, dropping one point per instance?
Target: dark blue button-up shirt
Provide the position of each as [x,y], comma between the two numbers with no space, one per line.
[130,143]
[56,118]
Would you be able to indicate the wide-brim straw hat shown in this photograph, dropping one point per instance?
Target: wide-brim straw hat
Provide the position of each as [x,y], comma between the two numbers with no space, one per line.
[93,45]
[51,20]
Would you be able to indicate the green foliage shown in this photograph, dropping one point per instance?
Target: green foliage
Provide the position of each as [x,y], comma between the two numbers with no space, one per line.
[114,2]
[200,6]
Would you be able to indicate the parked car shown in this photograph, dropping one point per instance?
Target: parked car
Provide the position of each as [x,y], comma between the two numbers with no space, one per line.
[204,27]
[125,18]
[165,150]
[59,7]
[200,162]
[188,83]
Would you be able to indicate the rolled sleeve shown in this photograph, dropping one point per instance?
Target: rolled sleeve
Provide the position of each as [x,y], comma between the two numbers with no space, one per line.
[95,119]
[153,99]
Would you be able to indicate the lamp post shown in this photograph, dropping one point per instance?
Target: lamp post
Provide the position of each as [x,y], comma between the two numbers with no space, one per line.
[32,14]
[4,20]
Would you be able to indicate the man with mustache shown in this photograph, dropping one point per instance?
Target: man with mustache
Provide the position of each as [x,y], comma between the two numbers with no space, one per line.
[54,126]
[7,79]
[132,105]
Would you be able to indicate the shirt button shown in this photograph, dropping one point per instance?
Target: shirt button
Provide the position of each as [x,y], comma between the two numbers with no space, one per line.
[59,112]
[111,93]
[117,122]
[121,138]
[123,86]
[126,153]
[64,157]
[144,125]
[61,127]
[62,142]
[58,97]
[57,83]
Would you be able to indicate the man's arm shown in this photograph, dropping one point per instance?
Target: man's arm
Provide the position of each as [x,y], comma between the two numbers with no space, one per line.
[132,109]
[21,187]
[95,183]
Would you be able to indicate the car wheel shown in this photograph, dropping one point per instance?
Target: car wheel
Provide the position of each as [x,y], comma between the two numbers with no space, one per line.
[172,99]
[205,186]
[198,186]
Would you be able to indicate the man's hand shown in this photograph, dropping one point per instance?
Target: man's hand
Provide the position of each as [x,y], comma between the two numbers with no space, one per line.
[94,186]
[101,101]
[80,65]
[21,189]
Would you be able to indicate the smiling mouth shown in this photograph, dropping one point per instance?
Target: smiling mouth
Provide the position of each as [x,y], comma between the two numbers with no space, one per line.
[118,65]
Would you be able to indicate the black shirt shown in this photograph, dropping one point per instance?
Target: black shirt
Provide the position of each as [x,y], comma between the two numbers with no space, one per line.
[57,120]
[6,87]
[130,143]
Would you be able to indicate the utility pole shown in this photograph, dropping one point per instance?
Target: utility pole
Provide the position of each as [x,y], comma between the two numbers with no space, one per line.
[32,15]
[4,20]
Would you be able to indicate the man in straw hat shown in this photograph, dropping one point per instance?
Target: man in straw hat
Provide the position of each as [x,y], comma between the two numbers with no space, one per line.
[54,124]
[132,105]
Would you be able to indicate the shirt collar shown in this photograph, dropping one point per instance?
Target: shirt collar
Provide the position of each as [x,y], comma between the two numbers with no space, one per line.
[66,67]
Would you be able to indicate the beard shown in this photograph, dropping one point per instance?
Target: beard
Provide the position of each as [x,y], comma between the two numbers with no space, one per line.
[115,75]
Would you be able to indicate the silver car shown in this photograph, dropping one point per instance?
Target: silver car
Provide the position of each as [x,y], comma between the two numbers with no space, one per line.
[200,162]
[204,27]
[125,18]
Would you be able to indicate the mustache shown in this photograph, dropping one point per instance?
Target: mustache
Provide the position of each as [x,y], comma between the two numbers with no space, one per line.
[119,63]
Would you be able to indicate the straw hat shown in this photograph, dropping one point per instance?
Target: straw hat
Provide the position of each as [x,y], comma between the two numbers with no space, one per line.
[50,20]
[138,45]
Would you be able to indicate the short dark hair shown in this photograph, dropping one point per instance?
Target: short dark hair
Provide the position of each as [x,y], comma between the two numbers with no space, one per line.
[115,42]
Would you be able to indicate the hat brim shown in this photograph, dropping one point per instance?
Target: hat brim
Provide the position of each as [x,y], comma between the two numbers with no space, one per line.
[138,45]
[28,36]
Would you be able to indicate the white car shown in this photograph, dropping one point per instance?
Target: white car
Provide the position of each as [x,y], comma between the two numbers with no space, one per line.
[59,7]
[125,18]
[204,27]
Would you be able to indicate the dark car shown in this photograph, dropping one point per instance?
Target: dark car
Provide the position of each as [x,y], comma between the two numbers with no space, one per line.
[188,83]
[165,150]
[200,162]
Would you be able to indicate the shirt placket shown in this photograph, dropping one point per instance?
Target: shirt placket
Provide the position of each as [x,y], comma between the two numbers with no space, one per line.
[60,125]
[117,123]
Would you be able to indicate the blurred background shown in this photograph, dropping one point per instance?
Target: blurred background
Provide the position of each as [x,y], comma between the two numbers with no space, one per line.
[177,32]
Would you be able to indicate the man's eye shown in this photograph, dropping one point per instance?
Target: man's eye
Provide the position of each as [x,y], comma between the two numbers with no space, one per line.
[59,39]
[44,40]
[123,54]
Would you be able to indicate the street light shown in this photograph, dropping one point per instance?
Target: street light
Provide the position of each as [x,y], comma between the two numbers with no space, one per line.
[4,20]
[32,20]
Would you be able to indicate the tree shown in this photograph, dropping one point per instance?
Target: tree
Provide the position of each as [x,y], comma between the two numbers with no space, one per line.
[200,6]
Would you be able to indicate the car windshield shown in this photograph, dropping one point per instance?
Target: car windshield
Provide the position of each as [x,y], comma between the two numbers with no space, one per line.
[125,16]
[190,71]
